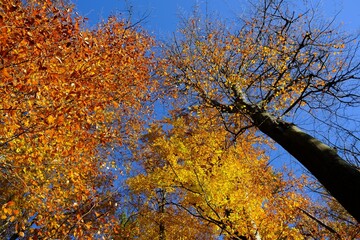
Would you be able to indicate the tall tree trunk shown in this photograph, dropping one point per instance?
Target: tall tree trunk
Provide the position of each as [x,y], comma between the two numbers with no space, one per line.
[162,203]
[340,178]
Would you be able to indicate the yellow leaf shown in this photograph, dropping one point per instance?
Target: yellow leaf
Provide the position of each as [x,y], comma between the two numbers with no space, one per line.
[50,119]
[7,211]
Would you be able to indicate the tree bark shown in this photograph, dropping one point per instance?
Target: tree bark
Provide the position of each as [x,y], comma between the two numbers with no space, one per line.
[14,236]
[162,203]
[340,178]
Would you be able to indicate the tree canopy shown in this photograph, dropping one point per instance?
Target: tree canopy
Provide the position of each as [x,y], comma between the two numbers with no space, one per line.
[81,156]
[277,64]
[68,95]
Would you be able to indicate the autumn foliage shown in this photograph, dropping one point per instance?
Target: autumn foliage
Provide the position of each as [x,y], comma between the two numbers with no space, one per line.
[67,96]
[228,186]
[273,70]
[72,97]
[194,168]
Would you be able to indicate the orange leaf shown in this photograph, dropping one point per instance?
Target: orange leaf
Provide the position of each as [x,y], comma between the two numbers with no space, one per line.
[16,212]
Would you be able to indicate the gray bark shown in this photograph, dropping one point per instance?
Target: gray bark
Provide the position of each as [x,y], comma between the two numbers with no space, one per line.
[340,178]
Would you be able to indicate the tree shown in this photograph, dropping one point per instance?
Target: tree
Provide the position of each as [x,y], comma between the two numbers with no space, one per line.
[279,63]
[68,96]
[193,173]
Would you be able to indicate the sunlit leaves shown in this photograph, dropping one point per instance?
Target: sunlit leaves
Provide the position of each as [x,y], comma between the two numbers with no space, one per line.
[70,96]
[229,186]
[262,69]
[194,172]
[66,93]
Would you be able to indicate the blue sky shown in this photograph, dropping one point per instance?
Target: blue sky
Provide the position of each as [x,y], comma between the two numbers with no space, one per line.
[163,15]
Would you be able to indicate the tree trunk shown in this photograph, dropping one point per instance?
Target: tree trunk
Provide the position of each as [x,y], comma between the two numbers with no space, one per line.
[162,203]
[14,236]
[340,178]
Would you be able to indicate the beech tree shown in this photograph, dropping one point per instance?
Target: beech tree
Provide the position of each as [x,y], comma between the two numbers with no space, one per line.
[68,96]
[277,64]
[71,97]
[196,180]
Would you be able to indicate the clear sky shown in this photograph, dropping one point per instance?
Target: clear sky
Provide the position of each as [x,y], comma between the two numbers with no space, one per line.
[163,15]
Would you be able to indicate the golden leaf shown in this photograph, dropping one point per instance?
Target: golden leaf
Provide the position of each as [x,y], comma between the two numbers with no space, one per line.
[50,119]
